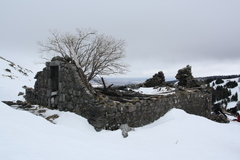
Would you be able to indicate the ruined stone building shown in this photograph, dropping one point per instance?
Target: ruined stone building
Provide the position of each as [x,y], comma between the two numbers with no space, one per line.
[59,86]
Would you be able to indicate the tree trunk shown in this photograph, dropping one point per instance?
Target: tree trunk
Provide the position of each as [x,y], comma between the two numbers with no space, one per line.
[80,72]
[85,81]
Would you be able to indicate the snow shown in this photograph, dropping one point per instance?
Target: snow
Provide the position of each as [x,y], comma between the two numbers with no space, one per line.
[177,135]
[155,91]
[11,87]
[233,90]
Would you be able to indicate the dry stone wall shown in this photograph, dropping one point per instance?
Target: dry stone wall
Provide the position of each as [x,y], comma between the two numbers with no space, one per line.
[138,113]
[67,92]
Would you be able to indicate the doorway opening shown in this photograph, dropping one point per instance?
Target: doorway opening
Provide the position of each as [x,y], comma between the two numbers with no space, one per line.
[54,71]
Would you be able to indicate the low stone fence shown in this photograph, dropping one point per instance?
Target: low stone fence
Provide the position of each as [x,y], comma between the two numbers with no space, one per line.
[110,114]
[65,91]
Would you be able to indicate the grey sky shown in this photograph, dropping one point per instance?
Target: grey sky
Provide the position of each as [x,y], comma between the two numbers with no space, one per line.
[161,35]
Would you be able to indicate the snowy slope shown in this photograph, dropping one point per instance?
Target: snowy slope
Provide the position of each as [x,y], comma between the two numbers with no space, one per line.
[233,90]
[12,78]
[177,135]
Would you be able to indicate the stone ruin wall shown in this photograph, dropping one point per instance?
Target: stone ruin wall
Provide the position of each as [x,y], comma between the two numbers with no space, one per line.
[102,111]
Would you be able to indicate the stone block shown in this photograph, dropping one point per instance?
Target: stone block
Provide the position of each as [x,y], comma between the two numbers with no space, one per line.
[131,108]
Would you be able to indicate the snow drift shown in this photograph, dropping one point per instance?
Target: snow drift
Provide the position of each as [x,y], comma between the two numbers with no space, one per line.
[177,135]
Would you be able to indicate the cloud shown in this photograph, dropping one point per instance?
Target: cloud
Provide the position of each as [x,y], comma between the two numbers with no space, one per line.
[161,35]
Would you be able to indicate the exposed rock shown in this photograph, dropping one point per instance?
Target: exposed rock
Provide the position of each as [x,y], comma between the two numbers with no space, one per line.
[157,80]
[219,118]
[58,58]
[131,107]
[238,105]
[42,111]
[26,107]
[233,111]
[52,118]
[186,79]
[98,124]
[10,103]
[26,87]
[20,93]
[8,70]
[125,129]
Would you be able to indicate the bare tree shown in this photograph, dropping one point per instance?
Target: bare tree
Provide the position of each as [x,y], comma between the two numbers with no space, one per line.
[95,54]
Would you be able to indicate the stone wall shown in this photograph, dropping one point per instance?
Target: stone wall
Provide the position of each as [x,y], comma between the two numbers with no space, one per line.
[136,113]
[71,95]
[107,112]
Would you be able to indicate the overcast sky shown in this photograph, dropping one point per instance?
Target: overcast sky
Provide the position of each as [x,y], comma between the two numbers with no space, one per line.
[161,35]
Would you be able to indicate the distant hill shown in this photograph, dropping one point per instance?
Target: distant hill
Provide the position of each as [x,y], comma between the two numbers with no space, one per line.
[125,81]
[215,77]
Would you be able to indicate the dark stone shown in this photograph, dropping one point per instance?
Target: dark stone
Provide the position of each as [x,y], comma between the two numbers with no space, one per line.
[25,106]
[38,75]
[8,70]
[219,118]
[109,112]
[52,117]
[70,106]
[157,80]
[20,93]
[186,79]
[68,97]
[58,58]
[9,103]
[98,124]
[131,108]
[41,111]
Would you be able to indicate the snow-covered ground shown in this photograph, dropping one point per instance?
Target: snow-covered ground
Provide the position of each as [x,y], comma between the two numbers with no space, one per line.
[12,81]
[233,90]
[155,91]
[177,135]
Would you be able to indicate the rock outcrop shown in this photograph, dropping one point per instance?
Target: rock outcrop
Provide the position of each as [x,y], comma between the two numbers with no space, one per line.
[158,79]
[185,78]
